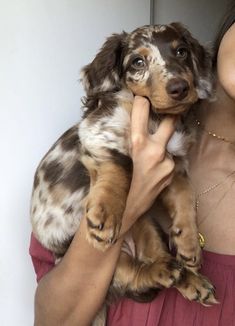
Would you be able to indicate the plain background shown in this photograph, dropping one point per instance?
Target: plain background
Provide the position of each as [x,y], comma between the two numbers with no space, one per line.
[43,45]
[201,16]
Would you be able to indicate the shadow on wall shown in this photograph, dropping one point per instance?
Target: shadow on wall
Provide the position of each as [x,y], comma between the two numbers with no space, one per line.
[200,16]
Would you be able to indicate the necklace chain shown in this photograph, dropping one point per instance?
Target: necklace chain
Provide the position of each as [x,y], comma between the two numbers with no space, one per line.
[213,134]
[212,187]
[201,238]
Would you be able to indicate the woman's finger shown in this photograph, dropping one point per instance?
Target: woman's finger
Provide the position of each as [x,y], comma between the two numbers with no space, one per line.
[165,130]
[139,116]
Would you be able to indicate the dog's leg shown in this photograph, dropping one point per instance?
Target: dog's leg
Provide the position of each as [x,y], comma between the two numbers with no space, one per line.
[153,267]
[105,202]
[178,199]
[196,287]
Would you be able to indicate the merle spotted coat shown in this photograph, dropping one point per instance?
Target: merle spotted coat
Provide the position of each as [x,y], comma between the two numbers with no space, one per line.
[88,170]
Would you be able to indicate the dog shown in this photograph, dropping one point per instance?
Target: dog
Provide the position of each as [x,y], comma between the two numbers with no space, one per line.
[88,170]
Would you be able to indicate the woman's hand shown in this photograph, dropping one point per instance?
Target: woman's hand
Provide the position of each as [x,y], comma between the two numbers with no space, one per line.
[152,166]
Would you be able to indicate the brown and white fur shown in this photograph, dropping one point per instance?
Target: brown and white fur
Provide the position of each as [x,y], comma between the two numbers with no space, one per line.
[88,170]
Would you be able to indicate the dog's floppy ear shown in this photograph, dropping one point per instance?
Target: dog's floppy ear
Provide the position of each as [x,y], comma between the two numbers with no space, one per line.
[104,72]
[202,62]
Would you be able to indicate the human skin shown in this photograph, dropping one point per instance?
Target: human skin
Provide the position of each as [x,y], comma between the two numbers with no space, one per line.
[72,293]
[212,160]
[226,65]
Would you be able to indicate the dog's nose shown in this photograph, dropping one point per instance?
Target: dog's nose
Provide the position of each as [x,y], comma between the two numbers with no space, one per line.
[177,88]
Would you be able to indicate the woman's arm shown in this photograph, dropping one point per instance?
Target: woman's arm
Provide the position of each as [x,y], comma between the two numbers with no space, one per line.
[73,292]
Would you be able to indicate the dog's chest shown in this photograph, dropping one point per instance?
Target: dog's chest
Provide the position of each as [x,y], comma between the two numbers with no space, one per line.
[112,131]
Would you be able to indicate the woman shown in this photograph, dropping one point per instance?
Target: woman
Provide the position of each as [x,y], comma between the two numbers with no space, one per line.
[72,292]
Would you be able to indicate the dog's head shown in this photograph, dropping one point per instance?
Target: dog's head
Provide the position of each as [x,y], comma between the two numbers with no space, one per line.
[163,63]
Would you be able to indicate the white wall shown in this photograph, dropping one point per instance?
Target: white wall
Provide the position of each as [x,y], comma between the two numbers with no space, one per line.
[44,43]
[201,16]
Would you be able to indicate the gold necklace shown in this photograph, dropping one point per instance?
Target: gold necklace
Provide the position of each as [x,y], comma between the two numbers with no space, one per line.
[201,238]
[212,187]
[213,134]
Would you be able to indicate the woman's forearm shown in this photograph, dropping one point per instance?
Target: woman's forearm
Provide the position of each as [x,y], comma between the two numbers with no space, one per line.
[73,292]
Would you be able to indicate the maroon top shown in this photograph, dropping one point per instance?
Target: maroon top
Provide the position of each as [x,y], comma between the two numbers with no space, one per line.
[169,308]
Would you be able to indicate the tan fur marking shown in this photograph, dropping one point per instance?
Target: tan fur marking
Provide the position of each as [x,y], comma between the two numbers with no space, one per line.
[174,44]
[179,200]
[106,203]
[151,269]
[144,273]
[139,88]
[197,287]
[149,245]
[127,105]
[145,52]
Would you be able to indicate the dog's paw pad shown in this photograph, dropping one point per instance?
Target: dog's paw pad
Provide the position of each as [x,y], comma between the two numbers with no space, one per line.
[103,225]
[187,246]
[196,287]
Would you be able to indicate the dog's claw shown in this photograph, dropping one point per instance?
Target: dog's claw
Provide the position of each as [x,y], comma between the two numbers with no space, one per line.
[101,226]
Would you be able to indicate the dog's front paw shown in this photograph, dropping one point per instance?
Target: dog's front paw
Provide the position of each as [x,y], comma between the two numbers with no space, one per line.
[186,241]
[103,221]
[196,287]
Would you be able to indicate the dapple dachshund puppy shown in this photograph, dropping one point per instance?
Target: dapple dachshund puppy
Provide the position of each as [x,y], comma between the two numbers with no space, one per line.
[88,170]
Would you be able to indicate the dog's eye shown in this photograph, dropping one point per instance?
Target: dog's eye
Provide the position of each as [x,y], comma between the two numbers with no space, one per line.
[182,53]
[138,63]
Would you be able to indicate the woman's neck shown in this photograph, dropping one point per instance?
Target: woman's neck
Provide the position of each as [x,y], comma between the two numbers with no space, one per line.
[219,116]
